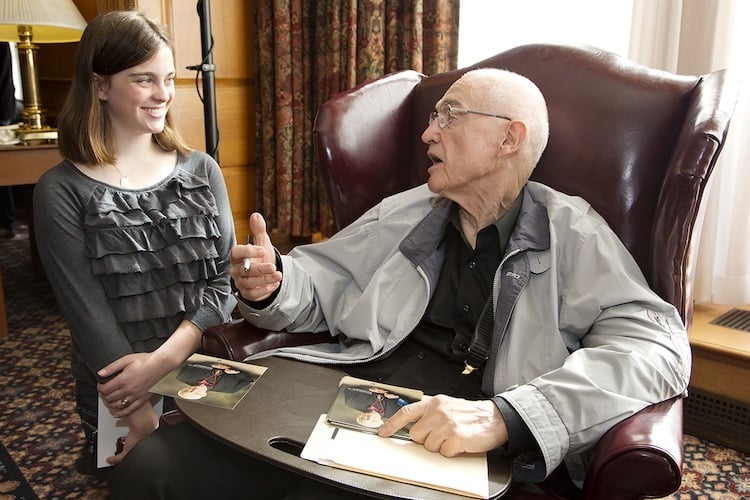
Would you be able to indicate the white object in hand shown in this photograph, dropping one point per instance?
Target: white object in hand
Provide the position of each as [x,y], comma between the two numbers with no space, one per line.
[246,260]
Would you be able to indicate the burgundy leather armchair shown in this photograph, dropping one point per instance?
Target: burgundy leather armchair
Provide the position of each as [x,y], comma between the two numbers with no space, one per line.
[637,143]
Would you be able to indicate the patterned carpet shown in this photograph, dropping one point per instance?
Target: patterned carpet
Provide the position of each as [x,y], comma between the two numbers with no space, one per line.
[40,428]
[41,432]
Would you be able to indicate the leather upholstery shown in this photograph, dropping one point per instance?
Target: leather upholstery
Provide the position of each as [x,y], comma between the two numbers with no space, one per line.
[637,143]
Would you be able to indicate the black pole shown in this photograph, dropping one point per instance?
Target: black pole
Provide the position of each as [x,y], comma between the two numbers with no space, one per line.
[209,84]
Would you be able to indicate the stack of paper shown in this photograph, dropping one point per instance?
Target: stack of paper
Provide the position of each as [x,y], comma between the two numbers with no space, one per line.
[397,459]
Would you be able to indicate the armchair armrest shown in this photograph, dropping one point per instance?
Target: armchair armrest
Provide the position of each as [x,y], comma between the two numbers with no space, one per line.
[647,445]
[239,339]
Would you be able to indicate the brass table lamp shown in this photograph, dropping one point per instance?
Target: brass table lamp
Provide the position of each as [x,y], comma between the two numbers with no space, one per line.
[28,22]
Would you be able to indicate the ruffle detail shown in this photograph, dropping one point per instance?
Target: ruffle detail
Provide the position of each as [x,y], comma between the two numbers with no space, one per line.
[150,237]
[164,303]
[155,251]
[142,261]
[145,336]
[126,284]
[184,195]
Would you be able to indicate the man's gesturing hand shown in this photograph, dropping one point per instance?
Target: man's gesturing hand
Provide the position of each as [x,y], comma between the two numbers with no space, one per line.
[262,278]
[451,426]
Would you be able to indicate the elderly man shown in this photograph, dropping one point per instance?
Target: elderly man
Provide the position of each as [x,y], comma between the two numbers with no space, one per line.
[514,305]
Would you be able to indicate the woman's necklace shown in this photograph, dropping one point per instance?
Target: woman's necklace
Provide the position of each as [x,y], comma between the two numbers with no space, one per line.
[124,180]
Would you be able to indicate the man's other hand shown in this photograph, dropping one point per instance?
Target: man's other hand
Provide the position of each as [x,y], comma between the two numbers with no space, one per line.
[254,265]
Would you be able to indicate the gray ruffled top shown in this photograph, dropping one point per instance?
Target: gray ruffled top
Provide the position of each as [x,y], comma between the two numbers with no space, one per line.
[127,266]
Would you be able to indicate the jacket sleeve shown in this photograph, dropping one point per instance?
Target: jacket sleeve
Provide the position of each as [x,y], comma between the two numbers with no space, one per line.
[321,281]
[627,349]
[316,278]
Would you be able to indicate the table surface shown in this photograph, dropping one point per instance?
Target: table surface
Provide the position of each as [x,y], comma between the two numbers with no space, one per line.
[25,164]
[273,421]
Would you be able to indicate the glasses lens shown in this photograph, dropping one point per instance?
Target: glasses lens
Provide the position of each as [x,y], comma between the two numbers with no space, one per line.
[442,117]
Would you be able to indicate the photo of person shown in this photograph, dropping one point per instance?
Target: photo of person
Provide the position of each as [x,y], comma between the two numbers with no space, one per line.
[210,380]
[204,377]
[376,404]
[365,405]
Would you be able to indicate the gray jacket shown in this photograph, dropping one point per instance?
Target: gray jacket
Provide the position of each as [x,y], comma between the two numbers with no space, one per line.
[580,342]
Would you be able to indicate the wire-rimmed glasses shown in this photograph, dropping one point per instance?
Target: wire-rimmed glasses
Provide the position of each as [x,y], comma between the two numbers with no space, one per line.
[445,116]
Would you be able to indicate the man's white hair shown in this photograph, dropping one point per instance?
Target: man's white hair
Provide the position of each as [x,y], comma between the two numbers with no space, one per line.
[515,96]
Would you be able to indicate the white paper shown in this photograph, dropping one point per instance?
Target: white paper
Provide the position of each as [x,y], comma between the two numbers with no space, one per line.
[396,459]
[111,428]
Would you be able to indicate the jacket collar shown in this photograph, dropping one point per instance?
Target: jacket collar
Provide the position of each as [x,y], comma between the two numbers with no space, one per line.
[532,228]
[531,231]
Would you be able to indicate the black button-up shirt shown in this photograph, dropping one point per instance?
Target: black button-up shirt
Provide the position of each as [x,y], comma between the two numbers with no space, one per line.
[432,357]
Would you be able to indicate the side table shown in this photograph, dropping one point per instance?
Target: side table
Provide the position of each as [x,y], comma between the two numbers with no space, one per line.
[21,165]
[274,420]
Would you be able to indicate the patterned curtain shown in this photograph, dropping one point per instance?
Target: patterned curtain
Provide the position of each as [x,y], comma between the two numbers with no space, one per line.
[309,50]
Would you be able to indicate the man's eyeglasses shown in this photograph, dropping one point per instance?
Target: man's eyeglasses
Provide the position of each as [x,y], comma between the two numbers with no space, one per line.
[445,116]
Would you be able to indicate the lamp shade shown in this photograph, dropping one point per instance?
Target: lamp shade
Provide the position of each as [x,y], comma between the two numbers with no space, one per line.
[52,21]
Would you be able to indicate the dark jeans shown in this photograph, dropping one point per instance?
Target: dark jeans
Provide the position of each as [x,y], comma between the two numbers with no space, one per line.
[180,462]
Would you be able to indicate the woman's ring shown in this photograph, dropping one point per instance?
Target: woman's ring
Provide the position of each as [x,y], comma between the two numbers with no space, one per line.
[124,402]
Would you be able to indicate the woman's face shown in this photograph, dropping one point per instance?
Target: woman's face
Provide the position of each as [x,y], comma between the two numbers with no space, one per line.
[138,98]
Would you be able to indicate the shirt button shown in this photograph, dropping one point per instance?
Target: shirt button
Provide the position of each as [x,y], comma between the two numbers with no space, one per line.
[420,355]
[472,264]
[466,308]
[463,347]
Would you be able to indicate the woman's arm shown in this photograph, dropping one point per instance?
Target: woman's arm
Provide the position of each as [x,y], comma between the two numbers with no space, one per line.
[137,373]
[59,212]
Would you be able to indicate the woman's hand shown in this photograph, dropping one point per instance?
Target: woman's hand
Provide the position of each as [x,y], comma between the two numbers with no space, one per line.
[141,422]
[133,375]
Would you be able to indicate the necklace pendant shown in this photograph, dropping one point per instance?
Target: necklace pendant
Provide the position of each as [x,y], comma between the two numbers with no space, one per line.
[124,181]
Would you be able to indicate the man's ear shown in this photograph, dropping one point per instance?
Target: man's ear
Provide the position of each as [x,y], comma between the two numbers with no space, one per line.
[515,137]
[101,85]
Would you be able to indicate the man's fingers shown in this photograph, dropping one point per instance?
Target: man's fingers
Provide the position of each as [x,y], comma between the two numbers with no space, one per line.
[409,413]
[258,227]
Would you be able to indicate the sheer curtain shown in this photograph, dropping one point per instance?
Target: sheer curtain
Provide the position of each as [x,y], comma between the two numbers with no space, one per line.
[689,37]
[695,37]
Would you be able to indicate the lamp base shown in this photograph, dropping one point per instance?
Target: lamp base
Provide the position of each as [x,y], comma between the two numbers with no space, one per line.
[29,136]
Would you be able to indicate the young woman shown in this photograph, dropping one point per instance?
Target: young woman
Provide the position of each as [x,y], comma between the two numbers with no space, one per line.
[134,229]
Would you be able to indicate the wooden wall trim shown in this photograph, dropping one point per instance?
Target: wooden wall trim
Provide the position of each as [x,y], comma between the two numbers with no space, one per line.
[108,5]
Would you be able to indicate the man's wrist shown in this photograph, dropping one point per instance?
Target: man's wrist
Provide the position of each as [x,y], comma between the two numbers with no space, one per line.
[520,438]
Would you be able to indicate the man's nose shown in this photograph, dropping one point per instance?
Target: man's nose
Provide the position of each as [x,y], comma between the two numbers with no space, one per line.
[431,133]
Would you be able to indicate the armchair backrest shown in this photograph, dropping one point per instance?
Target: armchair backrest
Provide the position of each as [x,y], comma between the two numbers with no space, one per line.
[637,143]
